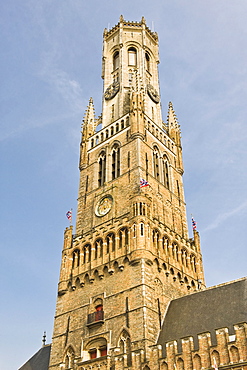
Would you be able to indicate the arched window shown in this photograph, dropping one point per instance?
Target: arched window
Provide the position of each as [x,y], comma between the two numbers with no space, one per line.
[110,242]
[123,237]
[142,229]
[147,58]
[98,248]
[69,358]
[166,172]
[115,162]
[102,169]
[197,362]
[156,163]
[97,348]
[76,258]
[234,354]
[115,60]
[132,57]
[87,253]
[215,358]
[180,363]
[156,237]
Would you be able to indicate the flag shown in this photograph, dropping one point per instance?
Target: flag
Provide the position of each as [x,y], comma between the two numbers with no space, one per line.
[143,183]
[69,215]
[193,223]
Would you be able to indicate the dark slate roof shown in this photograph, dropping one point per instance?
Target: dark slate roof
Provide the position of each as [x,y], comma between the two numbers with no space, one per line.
[39,361]
[218,307]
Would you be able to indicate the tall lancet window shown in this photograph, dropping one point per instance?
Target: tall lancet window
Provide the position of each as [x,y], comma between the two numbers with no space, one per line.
[166,172]
[132,57]
[147,58]
[115,60]
[102,169]
[156,163]
[115,162]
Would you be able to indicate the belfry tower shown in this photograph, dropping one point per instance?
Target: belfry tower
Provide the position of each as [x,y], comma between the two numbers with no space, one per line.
[130,254]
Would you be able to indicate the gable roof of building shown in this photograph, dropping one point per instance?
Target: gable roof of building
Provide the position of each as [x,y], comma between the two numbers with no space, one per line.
[218,307]
[39,361]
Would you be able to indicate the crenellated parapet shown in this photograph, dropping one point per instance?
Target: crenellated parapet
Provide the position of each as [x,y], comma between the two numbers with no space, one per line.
[225,347]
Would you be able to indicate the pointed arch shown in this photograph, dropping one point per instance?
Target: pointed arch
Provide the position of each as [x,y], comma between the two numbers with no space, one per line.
[115,156]
[165,165]
[76,258]
[156,157]
[123,237]
[115,60]
[132,56]
[234,354]
[102,168]
[197,363]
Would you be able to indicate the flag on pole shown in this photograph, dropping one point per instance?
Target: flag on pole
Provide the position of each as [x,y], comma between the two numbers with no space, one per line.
[69,215]
[193,223]
[143,183]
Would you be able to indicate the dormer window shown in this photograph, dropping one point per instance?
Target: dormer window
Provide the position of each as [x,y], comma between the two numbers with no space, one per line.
[132,57]
[115,60]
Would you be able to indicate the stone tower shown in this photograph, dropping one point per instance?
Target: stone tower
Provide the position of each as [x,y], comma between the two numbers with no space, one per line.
[131,253]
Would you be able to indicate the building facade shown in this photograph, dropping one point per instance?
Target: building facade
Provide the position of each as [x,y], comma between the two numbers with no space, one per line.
[131,292]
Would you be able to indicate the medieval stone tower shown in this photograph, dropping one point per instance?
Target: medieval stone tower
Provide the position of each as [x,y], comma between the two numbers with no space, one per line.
[130,254]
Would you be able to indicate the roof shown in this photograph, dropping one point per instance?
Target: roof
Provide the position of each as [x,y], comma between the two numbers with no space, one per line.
[218,307]
[39,361]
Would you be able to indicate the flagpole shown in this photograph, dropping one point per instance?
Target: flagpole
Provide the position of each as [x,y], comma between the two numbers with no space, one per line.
[71,216]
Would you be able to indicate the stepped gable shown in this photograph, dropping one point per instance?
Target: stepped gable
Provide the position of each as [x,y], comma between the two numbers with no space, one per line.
[218,307]
[39,361]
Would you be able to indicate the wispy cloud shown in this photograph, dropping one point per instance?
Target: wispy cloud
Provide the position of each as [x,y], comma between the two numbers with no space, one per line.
[226,215]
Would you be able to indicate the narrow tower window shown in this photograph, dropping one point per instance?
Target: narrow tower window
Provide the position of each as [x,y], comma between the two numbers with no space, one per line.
[166,172]
[115,162]
[132,56]
[115,60]
[156,163]
[147,57]
[102,169]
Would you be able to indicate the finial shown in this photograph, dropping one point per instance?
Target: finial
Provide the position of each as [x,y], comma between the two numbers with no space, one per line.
[121,19]
[143,20]
[44,338]
[91,101]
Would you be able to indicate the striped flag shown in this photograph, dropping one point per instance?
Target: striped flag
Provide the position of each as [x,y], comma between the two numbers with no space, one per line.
[69,215]
[143,183]
[193,223]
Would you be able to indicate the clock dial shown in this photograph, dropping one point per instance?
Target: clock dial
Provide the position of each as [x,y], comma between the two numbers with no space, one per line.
[104,205]
[111,90]
[153,94]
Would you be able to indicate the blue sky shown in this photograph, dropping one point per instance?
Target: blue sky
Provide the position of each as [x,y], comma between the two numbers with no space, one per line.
[51,66]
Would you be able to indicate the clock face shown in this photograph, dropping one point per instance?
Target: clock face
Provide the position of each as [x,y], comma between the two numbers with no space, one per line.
[104,205]
[112,90]
[153,94]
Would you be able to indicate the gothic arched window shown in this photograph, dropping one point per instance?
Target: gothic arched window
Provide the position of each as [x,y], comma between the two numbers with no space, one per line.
[115,60]
[98,248]
[110,242]
[197,362]
[102,169]
[156,163]
[132,57]
[76,258]
[166,172]
[87,253]
[147,58]
[115,162]
[123,237]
